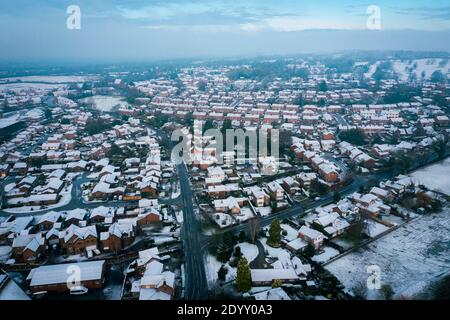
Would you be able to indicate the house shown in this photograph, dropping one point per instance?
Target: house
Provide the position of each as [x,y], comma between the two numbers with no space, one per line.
[328,172]
[276,192]
[28,247]
[54,278]
[157,286]
[259,197]
[313,237]
[75,216]
[102,214]
[230,204]
[76,240]
[118,236]
[150,215]
[266,277]
[48,220]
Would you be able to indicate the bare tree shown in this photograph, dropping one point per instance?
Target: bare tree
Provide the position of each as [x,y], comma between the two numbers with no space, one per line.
[253,226]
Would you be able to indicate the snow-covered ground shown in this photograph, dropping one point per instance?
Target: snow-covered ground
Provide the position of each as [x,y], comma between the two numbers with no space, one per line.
[213,266]
[292,234]
[249,251]
[428,66]
[326,254]
[53,79]
[410,257]
[283,255]
[435,176]
[246,213]
[374,228]
[17,87]
[66,197]
[104,103]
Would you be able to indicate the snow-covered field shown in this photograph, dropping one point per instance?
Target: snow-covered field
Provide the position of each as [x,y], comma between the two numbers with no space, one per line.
[428,66]
[53,79]
[17,87]
[410,257]
[104,103]
[435,177]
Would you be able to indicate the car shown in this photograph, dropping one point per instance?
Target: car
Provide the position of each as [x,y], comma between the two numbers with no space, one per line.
[79,290]
[39,295]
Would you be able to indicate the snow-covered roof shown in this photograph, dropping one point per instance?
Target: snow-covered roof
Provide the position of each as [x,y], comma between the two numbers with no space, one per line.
[57,274]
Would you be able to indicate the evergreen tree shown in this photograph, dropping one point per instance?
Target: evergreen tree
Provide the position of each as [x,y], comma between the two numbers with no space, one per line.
[243,276]
[274,234]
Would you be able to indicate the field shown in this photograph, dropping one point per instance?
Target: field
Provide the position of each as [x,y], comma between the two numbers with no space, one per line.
[435,176]
[410,258]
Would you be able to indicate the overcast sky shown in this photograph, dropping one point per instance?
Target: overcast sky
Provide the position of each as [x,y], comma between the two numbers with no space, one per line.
[154,29]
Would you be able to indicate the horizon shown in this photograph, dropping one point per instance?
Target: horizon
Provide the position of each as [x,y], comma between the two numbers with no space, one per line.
[159,30]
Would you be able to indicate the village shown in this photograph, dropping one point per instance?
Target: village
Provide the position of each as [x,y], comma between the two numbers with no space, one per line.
[88,179]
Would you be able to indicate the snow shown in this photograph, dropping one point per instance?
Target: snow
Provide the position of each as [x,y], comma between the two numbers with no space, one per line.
[292,234]
[423,65]
[283,255]
[213,266]
[13,292]
[246,213]
[104,103]
[264,211]
[326,255]
[53,79]
[249,251]
[433,176]
[413,255]
[374,228]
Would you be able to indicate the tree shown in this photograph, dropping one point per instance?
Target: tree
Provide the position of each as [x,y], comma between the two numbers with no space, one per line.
[309,251]
[437,77]
[274,234]
[353,136]
[237,252]
[222,273]
[336,196]
[323,86]
[243,276]
[387,291]
[48,113]
[276,283]
[253,225]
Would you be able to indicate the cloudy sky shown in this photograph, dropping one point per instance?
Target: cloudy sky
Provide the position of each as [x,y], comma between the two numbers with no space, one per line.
[155,29]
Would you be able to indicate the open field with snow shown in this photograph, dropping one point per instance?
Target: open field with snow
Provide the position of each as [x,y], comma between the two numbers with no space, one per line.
[435,177]
[410,257]
[104,103]
[419,66]
[53,79]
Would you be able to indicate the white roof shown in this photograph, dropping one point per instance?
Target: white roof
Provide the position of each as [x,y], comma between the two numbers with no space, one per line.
[58,274]
[266,275]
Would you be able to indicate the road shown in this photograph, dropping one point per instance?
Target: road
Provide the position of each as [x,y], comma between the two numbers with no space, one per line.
[196,284]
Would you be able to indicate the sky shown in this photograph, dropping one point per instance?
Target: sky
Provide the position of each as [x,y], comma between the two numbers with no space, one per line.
[155,29]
